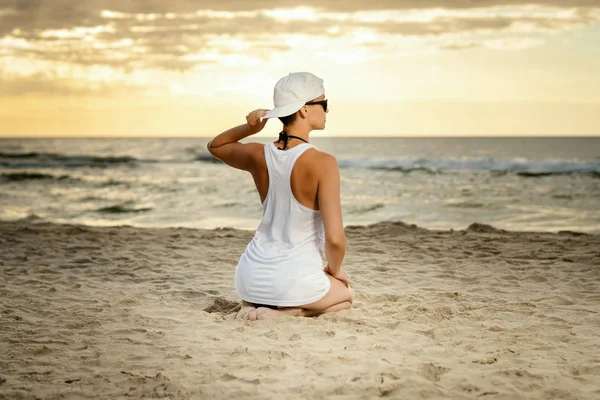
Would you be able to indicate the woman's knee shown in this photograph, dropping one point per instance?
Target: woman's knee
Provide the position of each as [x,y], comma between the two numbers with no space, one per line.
[346,305]
[338,293]
[341,287]
[341,291]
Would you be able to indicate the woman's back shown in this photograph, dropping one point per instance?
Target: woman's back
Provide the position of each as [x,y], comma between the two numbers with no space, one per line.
[299,187]
[283,264]
[287,223]
[304,178]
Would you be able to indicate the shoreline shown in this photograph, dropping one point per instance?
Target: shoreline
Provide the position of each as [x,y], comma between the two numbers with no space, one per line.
[474,227]
[148,312]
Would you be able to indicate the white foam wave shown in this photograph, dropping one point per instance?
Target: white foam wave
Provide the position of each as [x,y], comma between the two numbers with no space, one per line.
[408,164]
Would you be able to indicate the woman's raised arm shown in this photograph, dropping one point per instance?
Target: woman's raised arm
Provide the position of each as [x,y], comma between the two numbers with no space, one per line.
[226,146]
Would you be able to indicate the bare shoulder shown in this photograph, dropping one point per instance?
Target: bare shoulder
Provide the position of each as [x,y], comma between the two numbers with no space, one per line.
[325,161]
[255,146]
[255,149]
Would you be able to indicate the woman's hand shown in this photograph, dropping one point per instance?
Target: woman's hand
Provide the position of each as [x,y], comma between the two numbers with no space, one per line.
[340,276]
[254,120]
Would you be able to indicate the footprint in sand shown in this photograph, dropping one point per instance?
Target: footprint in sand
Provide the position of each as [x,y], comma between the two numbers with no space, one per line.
[271,335]
[223,306]
[433,372]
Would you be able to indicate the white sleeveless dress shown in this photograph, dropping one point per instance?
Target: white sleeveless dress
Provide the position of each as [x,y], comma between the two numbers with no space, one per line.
[283,264]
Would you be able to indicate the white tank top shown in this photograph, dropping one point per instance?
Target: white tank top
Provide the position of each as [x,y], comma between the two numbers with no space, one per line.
[288,245]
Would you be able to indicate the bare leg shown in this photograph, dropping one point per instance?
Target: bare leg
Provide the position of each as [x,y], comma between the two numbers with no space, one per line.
[268,313]
[338,298]
[338,293]
[346,305]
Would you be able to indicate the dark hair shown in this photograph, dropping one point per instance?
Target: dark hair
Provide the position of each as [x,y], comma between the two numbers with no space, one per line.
[288,119]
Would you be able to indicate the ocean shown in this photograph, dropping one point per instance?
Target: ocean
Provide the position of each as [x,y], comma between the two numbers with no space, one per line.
[519,184]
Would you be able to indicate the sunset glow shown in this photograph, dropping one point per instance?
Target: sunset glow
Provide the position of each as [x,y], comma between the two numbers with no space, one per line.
[402,69]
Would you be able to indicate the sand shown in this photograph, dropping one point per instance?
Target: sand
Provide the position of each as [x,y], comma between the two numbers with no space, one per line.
[89,312]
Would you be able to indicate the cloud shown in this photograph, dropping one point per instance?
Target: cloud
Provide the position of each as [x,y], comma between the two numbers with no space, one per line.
[20,76]
[449,25]
[496,44]
[512,43]
[173,40]
[59,9]
[459,46]
[28,15]
[44,83]
[140,35]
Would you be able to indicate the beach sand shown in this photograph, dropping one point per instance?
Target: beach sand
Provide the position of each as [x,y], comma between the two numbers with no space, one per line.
[90,312]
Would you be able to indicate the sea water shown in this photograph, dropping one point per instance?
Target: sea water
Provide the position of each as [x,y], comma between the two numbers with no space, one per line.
[520,184]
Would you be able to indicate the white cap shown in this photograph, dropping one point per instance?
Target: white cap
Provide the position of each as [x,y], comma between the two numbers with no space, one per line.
[293,91]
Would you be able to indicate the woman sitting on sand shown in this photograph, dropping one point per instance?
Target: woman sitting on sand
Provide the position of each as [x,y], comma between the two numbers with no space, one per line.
[281,271]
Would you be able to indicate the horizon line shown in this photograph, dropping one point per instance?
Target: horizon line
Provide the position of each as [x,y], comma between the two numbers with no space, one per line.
[317,137]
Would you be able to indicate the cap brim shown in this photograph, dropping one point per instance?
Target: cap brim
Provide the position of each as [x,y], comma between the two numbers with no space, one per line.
[284,111]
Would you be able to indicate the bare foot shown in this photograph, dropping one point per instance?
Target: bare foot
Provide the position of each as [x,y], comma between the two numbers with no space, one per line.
[246,308]
[269,313]
[252,315]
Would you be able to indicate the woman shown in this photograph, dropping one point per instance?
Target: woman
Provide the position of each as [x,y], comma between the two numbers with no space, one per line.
[281,271]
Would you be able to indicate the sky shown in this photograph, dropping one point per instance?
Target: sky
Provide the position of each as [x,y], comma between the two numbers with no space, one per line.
[104,68]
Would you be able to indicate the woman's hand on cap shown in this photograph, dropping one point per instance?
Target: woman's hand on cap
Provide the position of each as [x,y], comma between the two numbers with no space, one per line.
[254,120]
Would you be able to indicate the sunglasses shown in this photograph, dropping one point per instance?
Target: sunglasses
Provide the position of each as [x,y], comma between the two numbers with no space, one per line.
[321,102]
